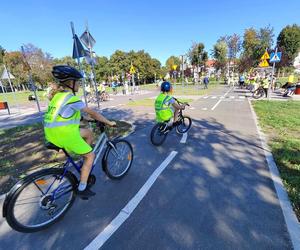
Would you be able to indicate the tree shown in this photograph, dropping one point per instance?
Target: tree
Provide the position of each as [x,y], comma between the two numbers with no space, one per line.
[288,42]
[197,55]
[219,53]
[40,63]
[254,45]
[2,53]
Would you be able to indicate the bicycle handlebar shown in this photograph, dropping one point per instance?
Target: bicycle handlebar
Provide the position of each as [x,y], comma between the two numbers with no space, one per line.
[179,102]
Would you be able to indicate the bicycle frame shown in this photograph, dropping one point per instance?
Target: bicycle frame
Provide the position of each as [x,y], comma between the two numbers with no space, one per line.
[101,142]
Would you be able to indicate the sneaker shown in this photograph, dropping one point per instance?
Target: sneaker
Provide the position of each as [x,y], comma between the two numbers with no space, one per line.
[85,194]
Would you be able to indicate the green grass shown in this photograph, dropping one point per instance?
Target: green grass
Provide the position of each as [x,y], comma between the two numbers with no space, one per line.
[20,97]
[281,122]
[147,102]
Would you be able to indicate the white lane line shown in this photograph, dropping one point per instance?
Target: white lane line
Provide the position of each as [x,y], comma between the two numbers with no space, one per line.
[213,97]
[204,108]
[192,108]
[242,97]
[290,218]
[129,208]
[205,97]
[232,97]
[184,138]
[221,99]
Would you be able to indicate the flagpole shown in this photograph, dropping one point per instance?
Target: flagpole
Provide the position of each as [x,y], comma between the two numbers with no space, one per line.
[92,65]
[32,83]
[78,62]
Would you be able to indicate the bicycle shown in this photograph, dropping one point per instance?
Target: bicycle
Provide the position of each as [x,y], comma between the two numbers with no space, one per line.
[42,198]
[160,130]
[258,93]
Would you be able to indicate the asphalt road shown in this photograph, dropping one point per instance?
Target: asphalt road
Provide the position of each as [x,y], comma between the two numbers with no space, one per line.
[216,193]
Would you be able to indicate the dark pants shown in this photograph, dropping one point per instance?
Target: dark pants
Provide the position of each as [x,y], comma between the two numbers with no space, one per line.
[266,91]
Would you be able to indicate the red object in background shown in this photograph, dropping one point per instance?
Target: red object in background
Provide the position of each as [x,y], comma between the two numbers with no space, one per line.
[297,91]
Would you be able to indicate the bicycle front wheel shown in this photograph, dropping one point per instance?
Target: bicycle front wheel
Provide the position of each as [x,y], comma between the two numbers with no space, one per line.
[258,93]
[185,125]
[42,199]
[118,159]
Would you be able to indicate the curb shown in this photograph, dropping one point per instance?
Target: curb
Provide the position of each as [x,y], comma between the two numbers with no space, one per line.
[289,215]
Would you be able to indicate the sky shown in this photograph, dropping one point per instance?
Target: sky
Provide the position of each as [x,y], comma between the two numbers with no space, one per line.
[160,27]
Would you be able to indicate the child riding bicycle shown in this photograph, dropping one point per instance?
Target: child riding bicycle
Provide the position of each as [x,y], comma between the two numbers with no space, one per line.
[166,106]
[61,122]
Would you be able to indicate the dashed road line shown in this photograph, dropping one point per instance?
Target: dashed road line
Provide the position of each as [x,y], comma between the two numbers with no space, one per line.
[184,138]
[220,99]
[124,214]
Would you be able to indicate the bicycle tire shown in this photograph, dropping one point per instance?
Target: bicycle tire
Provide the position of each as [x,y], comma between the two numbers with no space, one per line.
[258,93]
[114,170]
[15,223]
[186,122]
[156,130]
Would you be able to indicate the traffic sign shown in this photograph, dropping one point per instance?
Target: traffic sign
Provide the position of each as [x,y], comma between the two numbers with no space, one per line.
[264,63]
[265,56]
[174,67]
[132,69]
[275,57]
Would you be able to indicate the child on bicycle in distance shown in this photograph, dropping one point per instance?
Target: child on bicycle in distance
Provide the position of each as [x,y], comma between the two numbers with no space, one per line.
[166,106]
[61,122]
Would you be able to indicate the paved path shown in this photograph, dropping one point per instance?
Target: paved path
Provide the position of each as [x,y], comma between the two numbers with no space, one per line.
[216,193]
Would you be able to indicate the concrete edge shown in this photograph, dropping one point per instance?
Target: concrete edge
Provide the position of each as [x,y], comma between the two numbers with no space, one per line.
[290,218]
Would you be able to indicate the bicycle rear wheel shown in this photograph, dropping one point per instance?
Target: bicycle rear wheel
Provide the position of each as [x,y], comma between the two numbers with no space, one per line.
[158,134]
[41,200]
[118,159]
[185,125]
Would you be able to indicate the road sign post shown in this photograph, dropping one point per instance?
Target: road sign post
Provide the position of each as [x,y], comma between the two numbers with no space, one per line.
[274,58]
[77,56]
[89,42]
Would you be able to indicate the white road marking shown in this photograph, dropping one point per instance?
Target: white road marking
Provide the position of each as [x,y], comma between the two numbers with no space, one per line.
[213,97]
[204,108]
[242,97]
[205,97]
[291,221]
[232,97]
[220,99]
[111,107]
[129,208]
[192,108]
[184,138]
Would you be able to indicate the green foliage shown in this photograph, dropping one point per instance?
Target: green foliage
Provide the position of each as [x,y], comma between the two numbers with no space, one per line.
[2,53]
[255,42]
[288,42]
[197,55]
[171,61]
[220,54]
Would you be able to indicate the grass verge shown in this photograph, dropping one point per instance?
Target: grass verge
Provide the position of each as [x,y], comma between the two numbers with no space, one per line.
[280,121]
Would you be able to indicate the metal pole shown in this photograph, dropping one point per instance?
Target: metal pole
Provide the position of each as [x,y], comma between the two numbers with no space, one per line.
[11,87]
[93,69]
[273,71]
[182,72]
[32,83]
[79,64]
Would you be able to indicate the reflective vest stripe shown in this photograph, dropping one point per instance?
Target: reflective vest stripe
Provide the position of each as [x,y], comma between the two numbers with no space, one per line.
[67,98]
[61,123]
[162,104]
